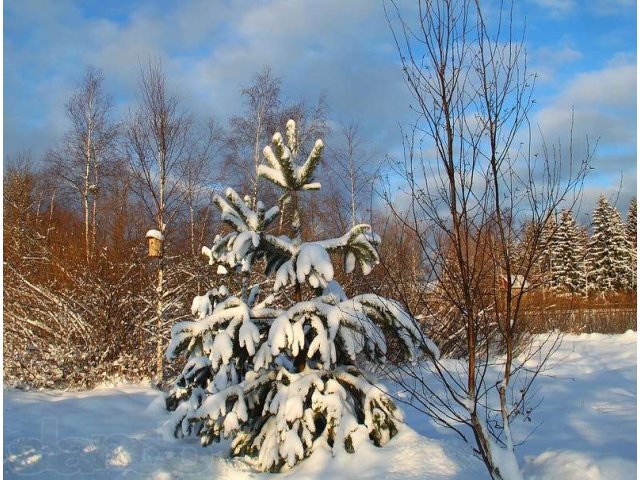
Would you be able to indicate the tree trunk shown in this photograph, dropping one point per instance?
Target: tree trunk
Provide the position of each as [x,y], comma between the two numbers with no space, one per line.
[94,219]
[85,207]
[192,230]
[159,320]
[160,286]
[482,442]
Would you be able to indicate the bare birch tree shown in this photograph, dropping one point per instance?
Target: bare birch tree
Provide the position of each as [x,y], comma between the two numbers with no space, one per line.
[86,149]
[197,187]
[248,133]
[474,187]
[355,168]
[164,157]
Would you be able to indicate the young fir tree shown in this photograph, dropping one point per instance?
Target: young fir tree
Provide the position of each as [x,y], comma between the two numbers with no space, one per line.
[609,252]
[631,232]
[279,371]
[567,272]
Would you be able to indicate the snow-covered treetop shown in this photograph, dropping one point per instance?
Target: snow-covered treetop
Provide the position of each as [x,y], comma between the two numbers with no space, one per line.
[281,167]
[293,262]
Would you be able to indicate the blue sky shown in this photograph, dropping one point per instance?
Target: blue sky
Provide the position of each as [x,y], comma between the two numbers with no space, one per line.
[584,52]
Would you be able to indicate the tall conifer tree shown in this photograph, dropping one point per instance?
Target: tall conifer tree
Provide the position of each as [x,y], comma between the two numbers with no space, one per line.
[609,253]
[568,256]
[631,231]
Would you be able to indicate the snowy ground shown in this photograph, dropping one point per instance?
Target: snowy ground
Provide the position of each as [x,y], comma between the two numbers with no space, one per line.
[586,430]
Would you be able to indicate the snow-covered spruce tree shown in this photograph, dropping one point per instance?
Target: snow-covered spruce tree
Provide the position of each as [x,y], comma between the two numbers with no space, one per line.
[609,252]
[567,272]
[542,266]
[631,226]
[585,270]
[276,371]
[631,232]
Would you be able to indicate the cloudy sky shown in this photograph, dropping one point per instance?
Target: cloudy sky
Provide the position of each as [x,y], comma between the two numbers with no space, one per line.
[584,52]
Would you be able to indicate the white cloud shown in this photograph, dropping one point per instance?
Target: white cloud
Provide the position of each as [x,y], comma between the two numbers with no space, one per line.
[611,7]
[612,87]
[557,7]
[547,60]
[211,49]
[345,49]
[563,8]
[603,105]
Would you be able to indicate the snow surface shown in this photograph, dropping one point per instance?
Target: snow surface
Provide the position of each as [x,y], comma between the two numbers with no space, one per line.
[586,429]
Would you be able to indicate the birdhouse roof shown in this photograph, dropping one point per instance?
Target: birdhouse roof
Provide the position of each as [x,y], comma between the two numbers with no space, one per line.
[155,234]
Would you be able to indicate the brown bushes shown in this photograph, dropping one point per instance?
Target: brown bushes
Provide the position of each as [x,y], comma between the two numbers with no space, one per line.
[615,313]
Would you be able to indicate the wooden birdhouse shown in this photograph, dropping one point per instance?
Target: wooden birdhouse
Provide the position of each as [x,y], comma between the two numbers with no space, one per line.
[154,240]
